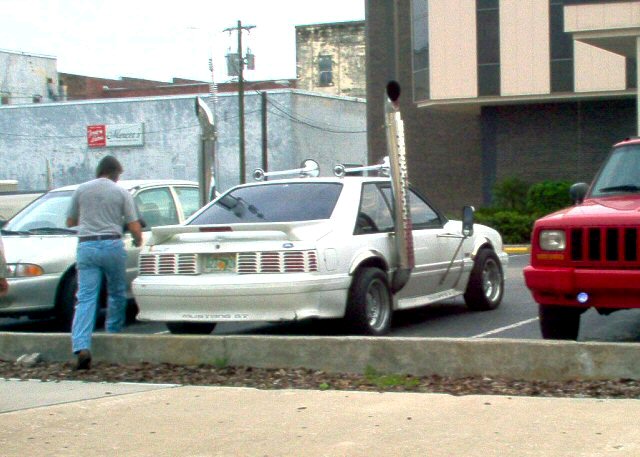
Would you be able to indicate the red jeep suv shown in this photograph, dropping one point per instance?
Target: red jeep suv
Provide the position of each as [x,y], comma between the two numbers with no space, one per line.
[588,255]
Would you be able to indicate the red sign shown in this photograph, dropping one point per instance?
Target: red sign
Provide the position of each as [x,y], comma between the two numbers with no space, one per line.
[97,136]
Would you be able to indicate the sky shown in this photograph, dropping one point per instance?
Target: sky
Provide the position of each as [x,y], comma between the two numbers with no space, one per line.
[157,40]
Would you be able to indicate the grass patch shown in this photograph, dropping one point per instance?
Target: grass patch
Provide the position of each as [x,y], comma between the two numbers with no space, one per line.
[388,381]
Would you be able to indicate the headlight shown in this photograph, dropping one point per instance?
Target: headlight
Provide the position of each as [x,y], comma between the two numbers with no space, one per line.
[21,270]
[552,240]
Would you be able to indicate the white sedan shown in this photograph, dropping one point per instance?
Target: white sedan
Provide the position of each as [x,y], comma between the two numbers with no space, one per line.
[311,248]
[41,250]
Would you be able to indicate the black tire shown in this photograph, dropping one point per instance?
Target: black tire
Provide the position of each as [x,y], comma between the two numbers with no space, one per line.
[65,307]
[559,322]
[369,306]
[191,328]
[486,282]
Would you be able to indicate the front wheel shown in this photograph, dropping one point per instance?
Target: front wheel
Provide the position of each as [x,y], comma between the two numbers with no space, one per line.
[65,307]
[191,328]
[559,322]
[369,306]
[486,283]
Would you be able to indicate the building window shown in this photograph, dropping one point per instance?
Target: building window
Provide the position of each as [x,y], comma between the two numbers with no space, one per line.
[36,98]
[420,38]
[488,38]
[5,97]
[632,73]
[325,70]
[561,49]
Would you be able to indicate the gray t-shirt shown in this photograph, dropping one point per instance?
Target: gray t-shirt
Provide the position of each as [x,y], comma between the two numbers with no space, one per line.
[102,207]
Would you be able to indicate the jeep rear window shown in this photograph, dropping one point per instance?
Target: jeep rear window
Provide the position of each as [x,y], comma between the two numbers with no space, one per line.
[620,174]
[281,202]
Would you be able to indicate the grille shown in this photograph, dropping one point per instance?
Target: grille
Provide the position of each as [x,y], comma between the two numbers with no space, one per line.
[247,262]
[277,262]
[168,264]
[604,244]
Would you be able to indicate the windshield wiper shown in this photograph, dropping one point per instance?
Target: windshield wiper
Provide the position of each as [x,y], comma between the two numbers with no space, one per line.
[52,230]
[622,188]
[14,232]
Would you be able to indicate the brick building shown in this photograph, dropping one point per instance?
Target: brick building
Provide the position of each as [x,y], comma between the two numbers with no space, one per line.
[330,58]
[500,88]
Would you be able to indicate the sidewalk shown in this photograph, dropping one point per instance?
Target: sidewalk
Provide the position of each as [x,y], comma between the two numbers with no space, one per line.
[72,418]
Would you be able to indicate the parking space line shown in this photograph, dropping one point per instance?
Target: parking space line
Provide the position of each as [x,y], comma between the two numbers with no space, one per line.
[508,327]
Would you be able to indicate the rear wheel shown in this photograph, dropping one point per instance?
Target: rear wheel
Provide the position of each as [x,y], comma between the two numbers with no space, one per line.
[191,328]
[559,322]
[369,307]
[486,283]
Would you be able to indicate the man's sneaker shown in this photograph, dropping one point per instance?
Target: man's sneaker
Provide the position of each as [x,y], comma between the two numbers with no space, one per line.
[84,360]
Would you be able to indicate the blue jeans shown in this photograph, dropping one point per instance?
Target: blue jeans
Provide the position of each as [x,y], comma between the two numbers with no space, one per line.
[95,259]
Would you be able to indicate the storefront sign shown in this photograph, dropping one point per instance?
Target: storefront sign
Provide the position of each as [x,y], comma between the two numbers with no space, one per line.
[115,135]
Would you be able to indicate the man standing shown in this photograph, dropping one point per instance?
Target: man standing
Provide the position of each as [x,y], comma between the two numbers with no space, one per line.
[4,285]
[100,208]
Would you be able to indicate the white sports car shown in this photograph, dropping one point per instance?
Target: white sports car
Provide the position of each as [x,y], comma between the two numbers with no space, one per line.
[294,249]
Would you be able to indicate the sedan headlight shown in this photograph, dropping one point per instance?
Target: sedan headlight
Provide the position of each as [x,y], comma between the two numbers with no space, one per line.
[552,240]
[22,270]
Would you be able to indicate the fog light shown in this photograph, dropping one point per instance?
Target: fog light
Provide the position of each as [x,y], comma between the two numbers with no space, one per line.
[582,297]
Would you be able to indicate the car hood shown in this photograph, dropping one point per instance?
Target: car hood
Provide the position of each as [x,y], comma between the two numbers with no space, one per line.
[610,210]
[41,250]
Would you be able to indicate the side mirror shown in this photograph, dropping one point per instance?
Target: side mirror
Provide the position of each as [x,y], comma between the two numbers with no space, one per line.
[577,192]
[467,221]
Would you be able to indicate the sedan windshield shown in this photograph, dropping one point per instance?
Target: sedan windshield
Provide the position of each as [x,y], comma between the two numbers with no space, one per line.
[620,173]
[46,215]
[282,202]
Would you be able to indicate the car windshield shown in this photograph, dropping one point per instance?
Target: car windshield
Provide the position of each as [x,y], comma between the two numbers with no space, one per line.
[281,202]
[47,215]
[620,173]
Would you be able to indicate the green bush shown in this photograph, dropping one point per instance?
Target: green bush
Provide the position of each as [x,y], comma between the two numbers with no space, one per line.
[510,194]
[515,227]
[548,196]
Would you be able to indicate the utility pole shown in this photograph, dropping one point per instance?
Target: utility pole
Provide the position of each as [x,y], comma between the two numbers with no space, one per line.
[241,63]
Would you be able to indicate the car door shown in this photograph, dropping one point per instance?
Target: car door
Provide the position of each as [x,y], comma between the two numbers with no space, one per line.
[436,267]
[156,206]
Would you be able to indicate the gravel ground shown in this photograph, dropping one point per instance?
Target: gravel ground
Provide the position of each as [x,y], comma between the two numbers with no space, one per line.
[319,380]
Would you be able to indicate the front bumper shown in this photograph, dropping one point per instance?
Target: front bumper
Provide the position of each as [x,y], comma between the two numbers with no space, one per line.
[231,297]
[615,289]
[26,295]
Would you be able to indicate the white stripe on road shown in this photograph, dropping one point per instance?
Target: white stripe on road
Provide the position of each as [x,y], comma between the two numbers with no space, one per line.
[161,333]
[508,327]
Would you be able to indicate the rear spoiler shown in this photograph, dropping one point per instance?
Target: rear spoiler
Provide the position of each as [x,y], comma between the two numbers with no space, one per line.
[260,230]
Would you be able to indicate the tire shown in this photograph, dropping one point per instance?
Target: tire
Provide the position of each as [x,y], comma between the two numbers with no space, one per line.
[486,282]
[369,306]
[191,328]
[65,307]
[559,322]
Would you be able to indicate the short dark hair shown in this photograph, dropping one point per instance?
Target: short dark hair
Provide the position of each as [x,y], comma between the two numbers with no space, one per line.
[108,167]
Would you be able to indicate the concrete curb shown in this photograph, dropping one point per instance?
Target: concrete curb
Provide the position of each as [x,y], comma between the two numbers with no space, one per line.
[517,249]
[512,359]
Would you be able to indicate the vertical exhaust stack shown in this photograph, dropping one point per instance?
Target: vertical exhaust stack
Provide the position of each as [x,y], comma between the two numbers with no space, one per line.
[399,187]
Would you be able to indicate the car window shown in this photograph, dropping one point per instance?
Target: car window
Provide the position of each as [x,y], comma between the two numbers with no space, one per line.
[422,214]
[156,207]
[49,211]
[280,202]
[374,213]
[189,199]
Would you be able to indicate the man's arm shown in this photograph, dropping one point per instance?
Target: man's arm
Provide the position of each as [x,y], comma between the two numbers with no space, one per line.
[136,231]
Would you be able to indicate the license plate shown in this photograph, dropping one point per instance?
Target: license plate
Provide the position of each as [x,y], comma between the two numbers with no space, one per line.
[219,263]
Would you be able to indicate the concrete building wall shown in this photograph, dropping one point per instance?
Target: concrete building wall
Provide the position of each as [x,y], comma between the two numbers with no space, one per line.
[344,44]
[524,54]
[48,142]
[28,78]
[452,47]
